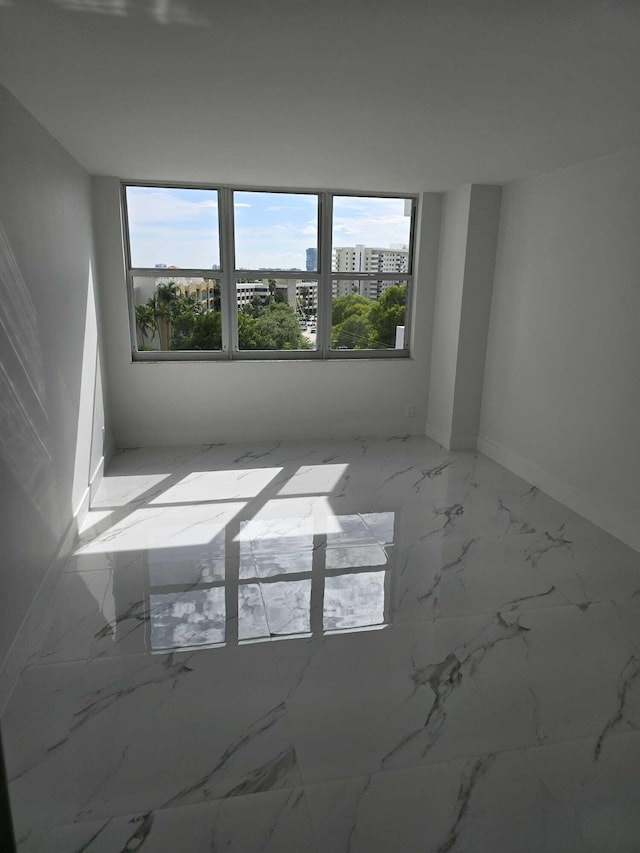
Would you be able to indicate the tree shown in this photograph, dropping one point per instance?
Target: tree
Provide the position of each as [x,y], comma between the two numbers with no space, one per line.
[386,314]
[145,323]
[247,332]
[214,293]
[207,331]
[353,333]
[162,303]
[350,321]
[346,306]
[277,327]
[174,316]
[182,326]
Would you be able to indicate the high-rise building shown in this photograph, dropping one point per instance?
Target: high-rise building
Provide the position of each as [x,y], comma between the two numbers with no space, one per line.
[361,258]
[312,259]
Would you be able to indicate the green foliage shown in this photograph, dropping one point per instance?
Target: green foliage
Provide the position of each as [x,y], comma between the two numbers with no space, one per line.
[353,333]
[268,324]
[182,325]
[215,291]
[361,323]
[387,313]
[207,331]
[254,309]
[146,322]
[247,333]
[346,306]
[183,313]
[191,329]
[350,321]
[277,327]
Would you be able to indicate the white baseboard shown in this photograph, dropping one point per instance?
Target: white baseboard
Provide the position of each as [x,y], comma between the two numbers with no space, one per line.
[19,650]
[620,527]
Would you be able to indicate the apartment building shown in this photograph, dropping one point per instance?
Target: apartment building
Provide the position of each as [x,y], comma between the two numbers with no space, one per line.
[368,259]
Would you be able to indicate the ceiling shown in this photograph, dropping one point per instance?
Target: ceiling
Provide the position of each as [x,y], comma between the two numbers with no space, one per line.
[399,96]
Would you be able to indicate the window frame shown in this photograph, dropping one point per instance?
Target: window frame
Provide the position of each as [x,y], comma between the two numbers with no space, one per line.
[228,275]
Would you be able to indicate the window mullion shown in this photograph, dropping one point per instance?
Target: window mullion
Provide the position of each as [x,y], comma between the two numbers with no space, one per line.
[323,339]
[227,252]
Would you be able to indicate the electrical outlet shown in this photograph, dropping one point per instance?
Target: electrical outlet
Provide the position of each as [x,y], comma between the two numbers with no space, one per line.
[410,411]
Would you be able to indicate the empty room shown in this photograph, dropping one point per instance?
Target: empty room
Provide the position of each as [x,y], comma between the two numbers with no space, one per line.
[319,405]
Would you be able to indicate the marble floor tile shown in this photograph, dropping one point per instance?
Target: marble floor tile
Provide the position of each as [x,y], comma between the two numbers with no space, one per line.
[273,822]
[484,804]
[371,700]
[155,527]
[414,646]
[129,734]
[460,577]
[598,785]
[93,614]
[607,570]
[148,607]
[567,668]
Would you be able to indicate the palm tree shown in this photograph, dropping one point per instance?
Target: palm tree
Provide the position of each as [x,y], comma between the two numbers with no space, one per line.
[145,322]
[217,293]
[163,304]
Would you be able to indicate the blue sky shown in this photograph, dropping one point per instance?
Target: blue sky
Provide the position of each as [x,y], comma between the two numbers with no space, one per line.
[180,227]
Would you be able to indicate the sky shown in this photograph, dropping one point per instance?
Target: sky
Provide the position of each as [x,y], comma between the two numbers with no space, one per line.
[179,227]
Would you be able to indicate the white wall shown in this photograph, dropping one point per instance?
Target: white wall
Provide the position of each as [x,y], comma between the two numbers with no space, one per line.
[48,361]
[479,270]
[561,403]
[447,309]
[461,314]
[199,402]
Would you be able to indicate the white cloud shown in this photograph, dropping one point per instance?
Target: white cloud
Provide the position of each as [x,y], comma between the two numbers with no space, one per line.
[370,221]
[146,205]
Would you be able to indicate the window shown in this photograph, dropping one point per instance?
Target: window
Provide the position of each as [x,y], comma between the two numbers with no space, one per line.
[224,273]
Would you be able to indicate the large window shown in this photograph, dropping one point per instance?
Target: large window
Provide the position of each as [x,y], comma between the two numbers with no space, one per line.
[223,273]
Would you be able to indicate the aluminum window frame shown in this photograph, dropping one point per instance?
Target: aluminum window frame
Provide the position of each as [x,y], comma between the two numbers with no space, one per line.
[228,275]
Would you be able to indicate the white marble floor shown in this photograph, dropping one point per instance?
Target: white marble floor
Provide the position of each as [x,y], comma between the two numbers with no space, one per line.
[362,646]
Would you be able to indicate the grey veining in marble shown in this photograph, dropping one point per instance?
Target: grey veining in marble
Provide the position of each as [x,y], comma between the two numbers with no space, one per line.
[346,646]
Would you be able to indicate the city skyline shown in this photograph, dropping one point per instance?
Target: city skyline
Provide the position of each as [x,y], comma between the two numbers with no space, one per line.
[179,227]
